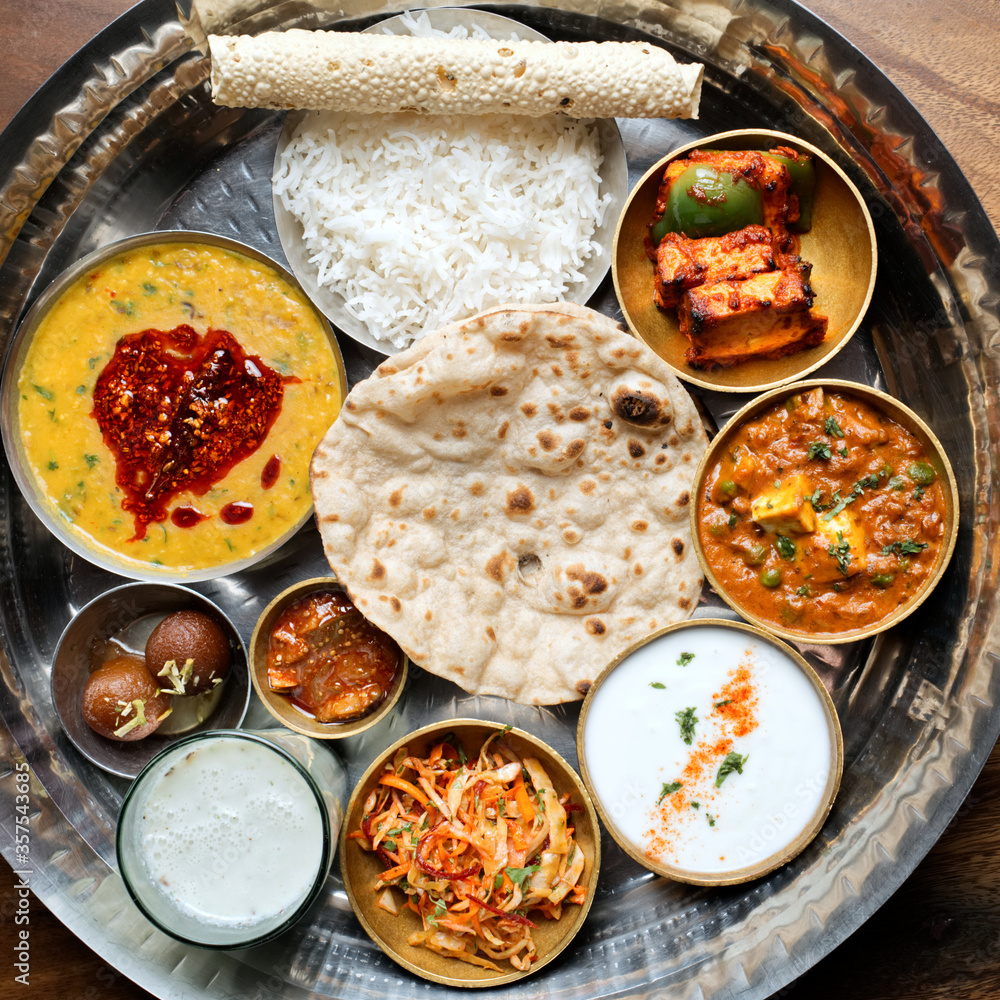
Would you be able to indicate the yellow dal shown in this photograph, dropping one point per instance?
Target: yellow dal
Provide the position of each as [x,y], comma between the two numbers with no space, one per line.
[160,287]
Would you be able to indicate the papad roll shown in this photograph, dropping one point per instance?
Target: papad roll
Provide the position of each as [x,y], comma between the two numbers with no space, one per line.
[344,71]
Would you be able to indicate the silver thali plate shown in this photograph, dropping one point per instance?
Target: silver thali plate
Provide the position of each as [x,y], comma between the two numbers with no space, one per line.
[125,139]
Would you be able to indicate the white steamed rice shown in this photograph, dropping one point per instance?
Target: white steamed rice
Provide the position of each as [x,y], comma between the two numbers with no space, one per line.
[417,220]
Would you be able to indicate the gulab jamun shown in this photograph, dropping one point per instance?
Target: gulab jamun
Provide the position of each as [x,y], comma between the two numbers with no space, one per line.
[122,701]
[189,652]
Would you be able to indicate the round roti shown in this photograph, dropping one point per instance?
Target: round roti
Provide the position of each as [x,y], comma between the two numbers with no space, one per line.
[509,499]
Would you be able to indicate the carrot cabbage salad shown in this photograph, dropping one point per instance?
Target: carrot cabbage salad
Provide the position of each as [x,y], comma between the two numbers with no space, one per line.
[475,846]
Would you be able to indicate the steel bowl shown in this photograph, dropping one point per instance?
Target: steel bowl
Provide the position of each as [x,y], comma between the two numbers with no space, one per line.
[613,172]
[122,620]
[78,537]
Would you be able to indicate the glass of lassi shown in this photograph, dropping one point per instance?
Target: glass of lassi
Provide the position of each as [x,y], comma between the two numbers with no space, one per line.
[225,839]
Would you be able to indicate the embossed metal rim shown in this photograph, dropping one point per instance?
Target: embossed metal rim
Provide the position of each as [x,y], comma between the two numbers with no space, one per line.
[773,40]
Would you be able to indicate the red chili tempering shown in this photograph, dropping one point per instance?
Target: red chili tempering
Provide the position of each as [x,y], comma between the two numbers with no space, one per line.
[271,471]
[237,512]
[187,517]
[178,411]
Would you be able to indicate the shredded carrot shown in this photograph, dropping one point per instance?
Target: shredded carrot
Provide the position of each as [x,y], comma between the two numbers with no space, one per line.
[394,873]
[404,786]
[446,854]
[523,801]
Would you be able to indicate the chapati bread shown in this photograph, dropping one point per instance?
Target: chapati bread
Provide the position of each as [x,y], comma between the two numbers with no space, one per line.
[509,498]
[346,71]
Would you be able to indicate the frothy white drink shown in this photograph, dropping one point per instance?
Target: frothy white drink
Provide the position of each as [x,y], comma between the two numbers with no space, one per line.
[230,834]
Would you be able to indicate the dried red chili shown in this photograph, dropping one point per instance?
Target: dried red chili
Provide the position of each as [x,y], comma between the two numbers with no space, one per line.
[178,411]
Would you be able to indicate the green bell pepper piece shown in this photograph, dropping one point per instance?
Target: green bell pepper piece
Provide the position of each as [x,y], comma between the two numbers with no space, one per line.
[803,175]
[704,201]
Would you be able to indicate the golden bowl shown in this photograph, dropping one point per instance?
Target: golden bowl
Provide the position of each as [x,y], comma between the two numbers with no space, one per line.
[279,705]
[896,411]
[762,816]
[360,868]
[840,244]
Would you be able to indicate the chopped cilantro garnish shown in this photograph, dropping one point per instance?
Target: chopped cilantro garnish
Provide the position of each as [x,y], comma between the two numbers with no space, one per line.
[819,449]
[904,548]
[733,762]
[669,789]
[518,875]
[786,547]
[724,702]
[43,392]
[658,685]
[684,659]
[686,719]
[804,591]
[841,552]
[831,427]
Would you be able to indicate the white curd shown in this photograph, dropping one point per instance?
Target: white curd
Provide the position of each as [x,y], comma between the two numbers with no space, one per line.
[741,696]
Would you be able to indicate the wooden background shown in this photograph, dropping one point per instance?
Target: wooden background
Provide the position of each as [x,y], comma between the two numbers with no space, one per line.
[938,937]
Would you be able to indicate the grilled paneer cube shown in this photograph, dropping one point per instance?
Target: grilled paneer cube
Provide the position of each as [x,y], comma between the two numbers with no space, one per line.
[764,316]
[683,263]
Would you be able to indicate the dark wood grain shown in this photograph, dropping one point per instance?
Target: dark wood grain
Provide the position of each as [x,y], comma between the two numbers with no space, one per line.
[939,936]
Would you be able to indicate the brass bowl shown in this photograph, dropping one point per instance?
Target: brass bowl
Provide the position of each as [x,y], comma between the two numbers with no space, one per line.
[896,411]
[278,704]
[639,737]
[840,244]
[360,868]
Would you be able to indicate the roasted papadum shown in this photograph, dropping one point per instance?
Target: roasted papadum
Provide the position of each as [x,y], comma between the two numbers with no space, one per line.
[509,498]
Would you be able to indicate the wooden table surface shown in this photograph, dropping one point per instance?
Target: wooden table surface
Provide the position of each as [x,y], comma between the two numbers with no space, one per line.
[939,935]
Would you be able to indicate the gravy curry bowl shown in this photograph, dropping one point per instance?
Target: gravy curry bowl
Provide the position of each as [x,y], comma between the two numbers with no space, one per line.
[557,831]
[161,402]
[840,244]
[712,750]
[824,512]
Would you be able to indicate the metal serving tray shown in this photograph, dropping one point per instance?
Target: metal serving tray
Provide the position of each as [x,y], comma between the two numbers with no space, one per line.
[124,138]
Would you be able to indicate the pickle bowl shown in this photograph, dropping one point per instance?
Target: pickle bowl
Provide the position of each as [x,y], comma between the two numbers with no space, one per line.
[120,621]
[362,868]
[795,566]
[712,751]
[281,705]
[840,244]
[79,468]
